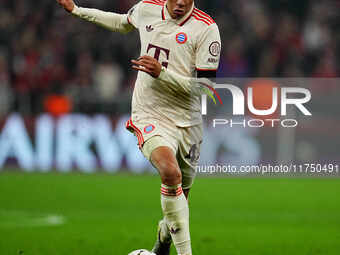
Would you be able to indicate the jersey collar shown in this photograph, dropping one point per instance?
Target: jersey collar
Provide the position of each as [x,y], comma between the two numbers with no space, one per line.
[181,21]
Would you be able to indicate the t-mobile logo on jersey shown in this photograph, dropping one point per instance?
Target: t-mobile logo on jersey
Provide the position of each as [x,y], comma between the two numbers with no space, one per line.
[157,54]
[298,98]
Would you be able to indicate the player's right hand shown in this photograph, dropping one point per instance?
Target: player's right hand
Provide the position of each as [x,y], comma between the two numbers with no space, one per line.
[67,4]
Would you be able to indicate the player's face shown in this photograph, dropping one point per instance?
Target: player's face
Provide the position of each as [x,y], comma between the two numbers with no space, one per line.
[179,8]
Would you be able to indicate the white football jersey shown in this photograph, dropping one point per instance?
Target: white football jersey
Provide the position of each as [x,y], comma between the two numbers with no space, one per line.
[183,46]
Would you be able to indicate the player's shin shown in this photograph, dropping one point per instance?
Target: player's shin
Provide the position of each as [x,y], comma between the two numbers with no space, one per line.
[176,214]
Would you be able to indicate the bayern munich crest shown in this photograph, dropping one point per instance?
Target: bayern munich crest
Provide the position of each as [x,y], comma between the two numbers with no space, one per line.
[181,38]
[149,128]
[215,49]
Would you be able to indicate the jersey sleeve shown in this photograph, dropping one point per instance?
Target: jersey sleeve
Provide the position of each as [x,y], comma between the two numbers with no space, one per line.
[208,49]
[134,14]
[109,20]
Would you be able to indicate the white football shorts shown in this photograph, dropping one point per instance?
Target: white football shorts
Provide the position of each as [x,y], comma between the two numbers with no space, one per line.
[185,142]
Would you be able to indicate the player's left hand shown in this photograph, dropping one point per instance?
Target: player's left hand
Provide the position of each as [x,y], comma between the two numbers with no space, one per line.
[148,65]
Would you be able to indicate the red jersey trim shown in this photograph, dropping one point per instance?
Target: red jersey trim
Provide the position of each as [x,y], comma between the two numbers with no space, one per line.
[197,18]
[202,16]
[163,15]
[206,69]
[186,20]
[137,132]
[160,3]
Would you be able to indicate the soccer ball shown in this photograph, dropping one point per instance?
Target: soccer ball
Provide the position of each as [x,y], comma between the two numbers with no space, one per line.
[142,252]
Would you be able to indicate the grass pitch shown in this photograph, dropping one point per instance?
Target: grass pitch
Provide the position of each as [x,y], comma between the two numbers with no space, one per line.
[56,214]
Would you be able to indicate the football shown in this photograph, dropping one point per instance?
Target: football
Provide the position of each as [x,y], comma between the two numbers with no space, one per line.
[141,252]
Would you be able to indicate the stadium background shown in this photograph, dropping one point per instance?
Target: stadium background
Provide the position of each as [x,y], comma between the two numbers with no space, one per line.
[52,64]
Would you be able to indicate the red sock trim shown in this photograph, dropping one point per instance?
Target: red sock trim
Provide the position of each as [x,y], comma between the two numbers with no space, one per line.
[171,192]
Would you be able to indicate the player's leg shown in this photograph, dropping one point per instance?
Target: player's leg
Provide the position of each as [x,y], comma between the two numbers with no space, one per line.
[186,192]
[187,159]
[159,145]
[163,158]
[163,241]
[174,203]
[149,140]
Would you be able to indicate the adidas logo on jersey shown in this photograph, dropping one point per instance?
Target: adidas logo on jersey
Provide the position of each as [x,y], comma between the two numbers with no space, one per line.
[149,28]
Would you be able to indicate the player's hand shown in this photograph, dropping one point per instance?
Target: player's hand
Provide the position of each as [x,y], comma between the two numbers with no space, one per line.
[148,65]
[67,4]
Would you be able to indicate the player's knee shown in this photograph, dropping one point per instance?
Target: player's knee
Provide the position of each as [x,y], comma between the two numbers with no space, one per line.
[170,173]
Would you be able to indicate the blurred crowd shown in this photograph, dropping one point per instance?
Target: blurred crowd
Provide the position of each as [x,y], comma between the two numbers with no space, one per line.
[48,57]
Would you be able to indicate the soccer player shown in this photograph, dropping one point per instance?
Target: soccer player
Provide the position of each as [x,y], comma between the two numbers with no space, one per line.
[178,43]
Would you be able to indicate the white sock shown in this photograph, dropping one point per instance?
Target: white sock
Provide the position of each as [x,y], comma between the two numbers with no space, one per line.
[176,214]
